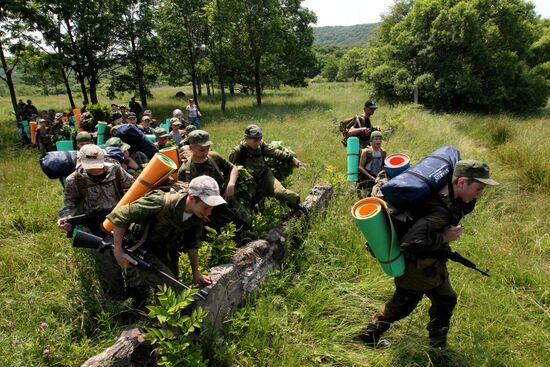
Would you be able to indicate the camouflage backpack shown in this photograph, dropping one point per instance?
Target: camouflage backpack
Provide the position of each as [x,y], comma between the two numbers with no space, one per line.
[347,124]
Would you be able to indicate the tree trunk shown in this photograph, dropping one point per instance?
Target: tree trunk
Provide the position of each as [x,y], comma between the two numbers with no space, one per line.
[208,88]
[68,88]
[191,61]
[9,81]
[257,81]
[78,67]
[199,85]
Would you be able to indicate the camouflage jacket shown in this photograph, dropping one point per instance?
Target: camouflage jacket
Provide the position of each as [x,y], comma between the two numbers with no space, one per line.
[215,166]
[163,214]
[84,195]
[253,159]
[422,242]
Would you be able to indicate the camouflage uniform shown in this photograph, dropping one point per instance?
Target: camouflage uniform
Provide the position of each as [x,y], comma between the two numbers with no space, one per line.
[426,271]
[219,169]
[157,219]
[253,161]
[364,137]
[83,195]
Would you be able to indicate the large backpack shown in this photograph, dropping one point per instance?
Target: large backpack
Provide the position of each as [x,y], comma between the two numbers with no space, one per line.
[422,180]
[58,164]
[347,124]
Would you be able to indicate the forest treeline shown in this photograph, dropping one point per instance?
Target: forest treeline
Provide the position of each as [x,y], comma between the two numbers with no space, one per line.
[457,55]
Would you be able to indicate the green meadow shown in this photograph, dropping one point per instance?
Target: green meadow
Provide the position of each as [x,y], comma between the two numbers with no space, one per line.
[308,312]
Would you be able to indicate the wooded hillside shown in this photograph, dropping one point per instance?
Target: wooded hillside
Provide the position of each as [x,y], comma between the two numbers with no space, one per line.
[355,35]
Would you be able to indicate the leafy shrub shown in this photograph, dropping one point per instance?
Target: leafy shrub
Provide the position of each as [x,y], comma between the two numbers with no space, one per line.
[101,112]
[175,346]
[281,169]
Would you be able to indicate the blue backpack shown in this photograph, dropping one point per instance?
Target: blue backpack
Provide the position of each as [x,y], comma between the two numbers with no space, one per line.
[422,180]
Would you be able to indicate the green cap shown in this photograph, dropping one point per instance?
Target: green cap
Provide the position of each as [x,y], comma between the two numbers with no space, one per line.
[474,169]
[199,137]
[117,142]
[253,131]
[376,133]
[83,136]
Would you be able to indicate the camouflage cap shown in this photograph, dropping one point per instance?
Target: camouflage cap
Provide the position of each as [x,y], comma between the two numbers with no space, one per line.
[160,132]
[146,118]
[122,106]
[253,131]
[375,134]
[176,112]
[83,136]
[190,128]
[130,115]
[207,190]
[91,156]
[116,116]
[474,169]
[117,142]
[200,137]
[175,121]
[371,104]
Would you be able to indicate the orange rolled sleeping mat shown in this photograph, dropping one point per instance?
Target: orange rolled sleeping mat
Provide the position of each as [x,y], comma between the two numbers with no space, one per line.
[33,126]
[172,153]
[157,171]
[76,113]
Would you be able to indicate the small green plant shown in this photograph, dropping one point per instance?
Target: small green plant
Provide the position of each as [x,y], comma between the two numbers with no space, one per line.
[175,346]
[245,188]
[222,245]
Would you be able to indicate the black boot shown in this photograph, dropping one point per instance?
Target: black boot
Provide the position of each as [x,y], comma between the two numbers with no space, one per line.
[372,339]
[441,357]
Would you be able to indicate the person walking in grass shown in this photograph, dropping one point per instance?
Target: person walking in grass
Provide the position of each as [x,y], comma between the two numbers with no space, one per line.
[193,113]
[361,126]
[426,246]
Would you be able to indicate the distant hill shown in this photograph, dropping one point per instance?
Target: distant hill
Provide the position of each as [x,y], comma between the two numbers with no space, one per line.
[353,35]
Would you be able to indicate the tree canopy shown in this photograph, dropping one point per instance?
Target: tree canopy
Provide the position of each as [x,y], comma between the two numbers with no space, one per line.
[475,54]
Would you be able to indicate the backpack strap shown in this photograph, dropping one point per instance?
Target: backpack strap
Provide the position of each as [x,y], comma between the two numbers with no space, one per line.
[170,200]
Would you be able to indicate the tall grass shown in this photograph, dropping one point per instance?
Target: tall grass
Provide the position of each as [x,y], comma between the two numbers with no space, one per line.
[309,311]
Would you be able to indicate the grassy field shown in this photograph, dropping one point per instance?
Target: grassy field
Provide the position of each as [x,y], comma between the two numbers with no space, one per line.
[307,313]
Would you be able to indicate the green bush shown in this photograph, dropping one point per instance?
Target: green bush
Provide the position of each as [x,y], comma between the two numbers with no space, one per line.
[101,112]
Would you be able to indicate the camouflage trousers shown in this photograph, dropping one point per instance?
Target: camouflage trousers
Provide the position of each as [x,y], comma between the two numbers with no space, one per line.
[404,301]
[271,187]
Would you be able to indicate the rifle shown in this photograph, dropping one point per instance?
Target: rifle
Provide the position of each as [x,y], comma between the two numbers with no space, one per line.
[95,218]
[88,240]
[456,257]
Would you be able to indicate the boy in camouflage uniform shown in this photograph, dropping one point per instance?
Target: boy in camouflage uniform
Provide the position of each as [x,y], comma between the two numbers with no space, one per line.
[426,246]
[203,161]
[250,154]
[166,224]
[96,187]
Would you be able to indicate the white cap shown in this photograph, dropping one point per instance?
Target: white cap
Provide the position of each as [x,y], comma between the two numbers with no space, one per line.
[206,189]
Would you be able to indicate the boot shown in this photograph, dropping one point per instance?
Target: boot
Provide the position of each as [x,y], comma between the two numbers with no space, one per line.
[441,357]
[372,339]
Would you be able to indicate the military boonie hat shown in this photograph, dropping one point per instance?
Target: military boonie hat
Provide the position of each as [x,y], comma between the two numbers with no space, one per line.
[117,142]
[199,137]
[83,136]
[477,170]
[207,190]
[160,132]
[375,134]
[175,121]
[91,156]
[253,131]
[131,114]
[371,104]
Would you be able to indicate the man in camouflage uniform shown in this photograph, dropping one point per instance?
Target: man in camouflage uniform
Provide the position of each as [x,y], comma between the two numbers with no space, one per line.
[203,161]
[250,154]
[361,126]
[166,224]
[426,248]
[96,187]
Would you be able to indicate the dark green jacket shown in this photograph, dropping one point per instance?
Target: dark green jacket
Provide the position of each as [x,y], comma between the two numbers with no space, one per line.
[167,232]
[215,166]
[253,159]
[423,242]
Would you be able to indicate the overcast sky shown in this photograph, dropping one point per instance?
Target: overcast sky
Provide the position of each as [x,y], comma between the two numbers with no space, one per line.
[349,12]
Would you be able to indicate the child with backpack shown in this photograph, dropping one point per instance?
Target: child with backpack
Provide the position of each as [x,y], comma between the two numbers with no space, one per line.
[371,163]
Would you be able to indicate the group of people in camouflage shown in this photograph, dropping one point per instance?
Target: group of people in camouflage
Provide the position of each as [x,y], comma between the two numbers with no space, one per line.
[168,223]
